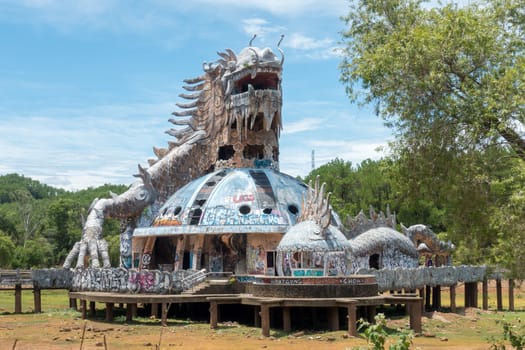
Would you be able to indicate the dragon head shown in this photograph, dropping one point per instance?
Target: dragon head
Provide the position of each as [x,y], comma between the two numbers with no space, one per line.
[235,107]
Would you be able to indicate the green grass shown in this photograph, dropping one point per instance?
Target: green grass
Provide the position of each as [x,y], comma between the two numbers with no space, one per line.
[51,299]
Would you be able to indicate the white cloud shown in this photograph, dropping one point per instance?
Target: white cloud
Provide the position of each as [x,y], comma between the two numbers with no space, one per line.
[301,42]
[307,124]
[81,147]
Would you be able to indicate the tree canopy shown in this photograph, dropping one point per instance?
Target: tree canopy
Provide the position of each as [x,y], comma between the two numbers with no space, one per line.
[447,79]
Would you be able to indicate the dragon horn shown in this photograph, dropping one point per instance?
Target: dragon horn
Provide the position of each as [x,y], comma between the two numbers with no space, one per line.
[233,57]
[251,40]
[254,70]
[280,50]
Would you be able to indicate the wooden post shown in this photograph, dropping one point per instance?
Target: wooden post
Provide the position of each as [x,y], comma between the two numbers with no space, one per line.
[18,298]
[83,308]
[109,312]
[214,315]
[287,320]
[164,314]
[498,295]
[485,293]
[38,300]
[511,294]
[352,319]
[453,298]
[333,318]
[265,320]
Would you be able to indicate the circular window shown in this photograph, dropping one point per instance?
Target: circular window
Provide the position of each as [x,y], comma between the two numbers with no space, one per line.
[245,209]
[177,211]
[292,208]
[267,210]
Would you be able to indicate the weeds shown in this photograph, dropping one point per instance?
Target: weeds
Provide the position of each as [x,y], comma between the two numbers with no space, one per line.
[512,333]
[376,335]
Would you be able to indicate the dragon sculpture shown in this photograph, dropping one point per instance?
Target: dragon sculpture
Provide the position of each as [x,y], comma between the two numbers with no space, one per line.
[232,118]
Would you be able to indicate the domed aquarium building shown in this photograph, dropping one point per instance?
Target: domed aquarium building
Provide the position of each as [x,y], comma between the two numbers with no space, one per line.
[229,220]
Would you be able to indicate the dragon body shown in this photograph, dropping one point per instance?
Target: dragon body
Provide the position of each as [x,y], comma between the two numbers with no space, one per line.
[231,117]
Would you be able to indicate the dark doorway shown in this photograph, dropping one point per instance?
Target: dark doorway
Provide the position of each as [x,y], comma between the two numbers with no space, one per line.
[373,261]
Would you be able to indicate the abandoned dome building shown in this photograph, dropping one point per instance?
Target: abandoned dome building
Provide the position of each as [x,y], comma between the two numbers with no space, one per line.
[213,205]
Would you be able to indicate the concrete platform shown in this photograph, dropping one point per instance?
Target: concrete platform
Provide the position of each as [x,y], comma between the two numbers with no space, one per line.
[262,306]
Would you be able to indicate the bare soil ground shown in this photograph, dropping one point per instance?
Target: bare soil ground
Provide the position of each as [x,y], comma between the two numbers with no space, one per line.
[58,327]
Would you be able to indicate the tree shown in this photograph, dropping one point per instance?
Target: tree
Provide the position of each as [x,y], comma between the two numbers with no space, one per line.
[30,213]
[448,79]
[450,82]
[7,250]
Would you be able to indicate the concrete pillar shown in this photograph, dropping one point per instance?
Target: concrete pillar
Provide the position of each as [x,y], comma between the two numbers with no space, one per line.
[181,243]
[333,318]
[73,303]
[164,314]
[436,298]
[371,313]
[471,294]
[428,294]
[38,300]
[155,310]
[256,316]
[197,252]
[499,295]
[18,299]
[415,316]
[214,314]
[511,294]
[287,320]
[109,312]
[92,309]
[453,298]
[83,308]
[422,296]
[485,293]
[265,320]
[129,312]
[352,319]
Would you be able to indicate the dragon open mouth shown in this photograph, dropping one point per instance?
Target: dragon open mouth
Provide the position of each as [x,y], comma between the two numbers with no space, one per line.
[266,80]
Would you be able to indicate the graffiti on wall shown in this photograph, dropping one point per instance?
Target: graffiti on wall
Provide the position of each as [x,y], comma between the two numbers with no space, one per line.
[232,216]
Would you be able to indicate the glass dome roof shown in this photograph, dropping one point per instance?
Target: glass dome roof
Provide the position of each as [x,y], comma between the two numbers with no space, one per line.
[241,200]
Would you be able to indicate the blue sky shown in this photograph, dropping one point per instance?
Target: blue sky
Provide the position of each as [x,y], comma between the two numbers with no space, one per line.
[87,86]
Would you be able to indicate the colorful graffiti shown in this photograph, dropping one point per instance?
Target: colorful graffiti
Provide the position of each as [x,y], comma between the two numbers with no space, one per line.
[229,216]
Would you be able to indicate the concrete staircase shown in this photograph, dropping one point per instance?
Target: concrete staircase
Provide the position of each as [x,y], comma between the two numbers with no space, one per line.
[211,286]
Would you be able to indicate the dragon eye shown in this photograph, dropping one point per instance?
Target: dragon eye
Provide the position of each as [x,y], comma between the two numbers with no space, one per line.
[142,195]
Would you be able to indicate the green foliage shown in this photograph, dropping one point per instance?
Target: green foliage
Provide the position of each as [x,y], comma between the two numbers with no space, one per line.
[356,188]
[449,81]
[448,77]
[7,250]
[13,182]
[42,223]
[376,335]
[514,334]
[35,253]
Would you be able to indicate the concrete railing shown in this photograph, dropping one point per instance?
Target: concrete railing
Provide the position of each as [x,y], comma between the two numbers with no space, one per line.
[412,279]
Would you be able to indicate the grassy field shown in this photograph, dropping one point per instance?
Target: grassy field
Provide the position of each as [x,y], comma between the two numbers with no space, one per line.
[58,327]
